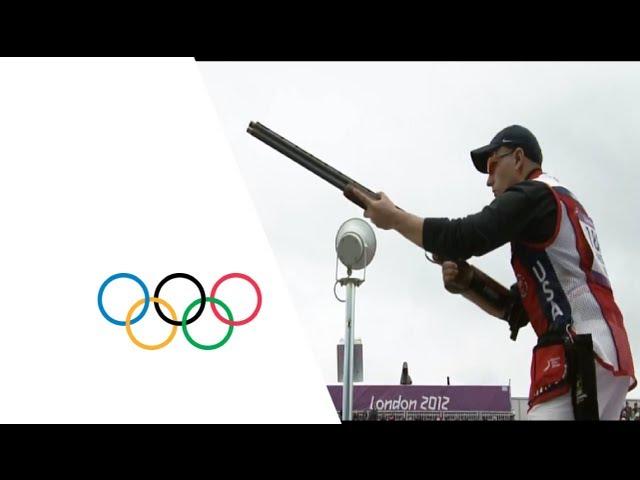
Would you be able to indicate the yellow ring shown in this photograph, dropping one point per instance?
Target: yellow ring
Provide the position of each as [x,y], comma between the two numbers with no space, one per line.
[127,325]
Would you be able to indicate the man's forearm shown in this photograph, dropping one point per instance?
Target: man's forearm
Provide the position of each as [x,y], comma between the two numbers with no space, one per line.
[410,226]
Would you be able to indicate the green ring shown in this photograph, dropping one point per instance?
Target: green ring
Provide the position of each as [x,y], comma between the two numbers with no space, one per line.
[185,317]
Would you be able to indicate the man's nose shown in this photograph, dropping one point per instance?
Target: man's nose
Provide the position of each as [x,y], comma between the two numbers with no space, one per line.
[490,181]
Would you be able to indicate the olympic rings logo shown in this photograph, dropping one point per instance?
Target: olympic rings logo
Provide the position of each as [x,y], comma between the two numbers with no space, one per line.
[174,322]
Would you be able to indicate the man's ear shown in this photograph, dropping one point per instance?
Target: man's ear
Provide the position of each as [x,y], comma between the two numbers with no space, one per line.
[519,155]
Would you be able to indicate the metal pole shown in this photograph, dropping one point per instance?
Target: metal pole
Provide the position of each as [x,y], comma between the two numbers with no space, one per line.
[347,389]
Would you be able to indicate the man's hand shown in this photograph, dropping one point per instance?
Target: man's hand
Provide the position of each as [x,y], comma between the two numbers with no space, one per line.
[456,279]
[383,213]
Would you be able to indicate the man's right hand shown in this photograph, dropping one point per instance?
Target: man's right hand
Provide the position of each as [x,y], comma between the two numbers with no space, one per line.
[456,277]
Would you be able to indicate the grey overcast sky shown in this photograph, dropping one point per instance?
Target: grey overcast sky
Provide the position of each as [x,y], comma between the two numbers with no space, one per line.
[407,129]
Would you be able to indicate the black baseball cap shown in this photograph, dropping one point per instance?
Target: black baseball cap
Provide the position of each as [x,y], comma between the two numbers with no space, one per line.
[513,136]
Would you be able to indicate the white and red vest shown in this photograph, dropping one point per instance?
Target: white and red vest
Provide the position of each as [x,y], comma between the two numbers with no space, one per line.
[565,288]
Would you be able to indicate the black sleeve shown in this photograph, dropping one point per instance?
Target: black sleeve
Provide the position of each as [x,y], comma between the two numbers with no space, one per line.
[525,211]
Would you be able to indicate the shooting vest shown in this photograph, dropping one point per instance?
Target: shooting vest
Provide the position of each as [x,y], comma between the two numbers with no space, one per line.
[565,288]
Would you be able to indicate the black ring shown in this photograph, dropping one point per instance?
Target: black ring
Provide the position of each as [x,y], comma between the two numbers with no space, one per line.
[186,276]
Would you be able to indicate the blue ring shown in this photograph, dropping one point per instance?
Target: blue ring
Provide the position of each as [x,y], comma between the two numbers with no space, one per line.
[115,277]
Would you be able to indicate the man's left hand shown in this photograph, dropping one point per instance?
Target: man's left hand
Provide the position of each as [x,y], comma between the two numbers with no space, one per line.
[383,213]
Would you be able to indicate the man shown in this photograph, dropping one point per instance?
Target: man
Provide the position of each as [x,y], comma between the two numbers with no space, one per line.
[562,285]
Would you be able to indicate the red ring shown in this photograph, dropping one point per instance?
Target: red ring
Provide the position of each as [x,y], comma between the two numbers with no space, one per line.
[258,293]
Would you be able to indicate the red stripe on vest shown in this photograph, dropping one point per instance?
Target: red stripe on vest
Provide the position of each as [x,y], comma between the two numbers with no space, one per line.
[614,319]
